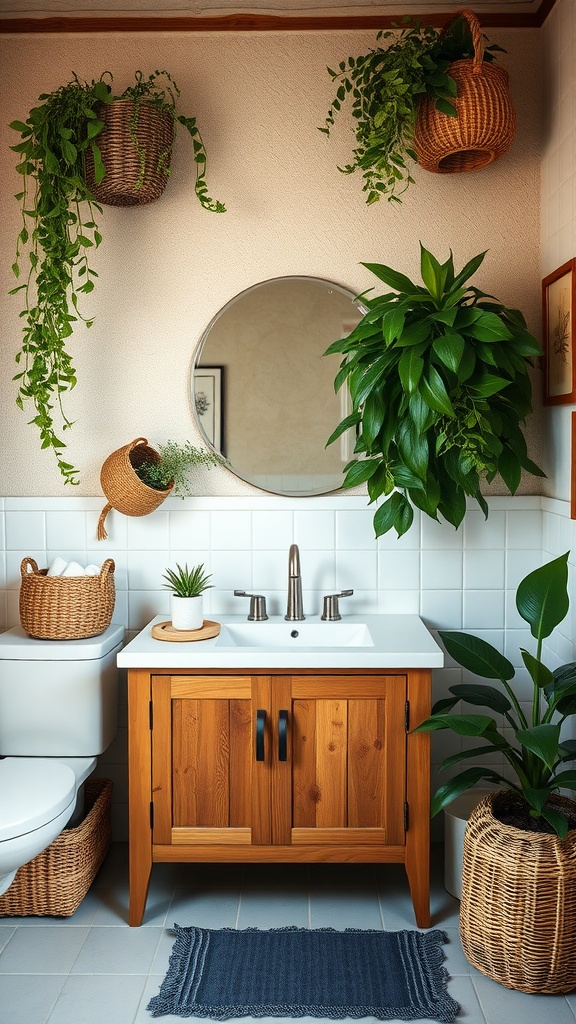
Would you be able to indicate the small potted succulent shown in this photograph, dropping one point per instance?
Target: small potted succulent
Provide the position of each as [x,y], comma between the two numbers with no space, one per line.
[187,587]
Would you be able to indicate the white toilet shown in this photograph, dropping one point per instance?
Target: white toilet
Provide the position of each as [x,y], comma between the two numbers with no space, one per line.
[58,707]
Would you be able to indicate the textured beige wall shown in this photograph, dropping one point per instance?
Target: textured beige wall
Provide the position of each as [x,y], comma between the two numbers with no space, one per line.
[167,268]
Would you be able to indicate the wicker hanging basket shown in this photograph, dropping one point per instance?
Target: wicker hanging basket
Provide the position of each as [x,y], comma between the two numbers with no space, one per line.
[518,909]
[124,489]
[65,608]
[486,121]
[154,131]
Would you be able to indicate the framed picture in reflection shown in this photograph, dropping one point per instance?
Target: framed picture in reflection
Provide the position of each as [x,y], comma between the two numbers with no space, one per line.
[208,403]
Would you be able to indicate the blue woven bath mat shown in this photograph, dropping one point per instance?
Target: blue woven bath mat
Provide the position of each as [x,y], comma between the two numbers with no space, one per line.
[300,972]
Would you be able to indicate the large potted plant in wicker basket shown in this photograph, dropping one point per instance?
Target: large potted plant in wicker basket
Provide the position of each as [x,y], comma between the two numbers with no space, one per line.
[428,96]
[518,909]
[81,147]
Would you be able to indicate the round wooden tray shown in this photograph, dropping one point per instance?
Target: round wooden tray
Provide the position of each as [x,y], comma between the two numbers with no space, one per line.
[166,631]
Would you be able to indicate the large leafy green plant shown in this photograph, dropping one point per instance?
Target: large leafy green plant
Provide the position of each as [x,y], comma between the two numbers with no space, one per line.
[536,753]
[438,378]
[385,86]
[59,232]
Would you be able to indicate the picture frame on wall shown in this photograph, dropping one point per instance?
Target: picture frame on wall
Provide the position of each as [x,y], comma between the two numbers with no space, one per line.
[559,334]
[208,403]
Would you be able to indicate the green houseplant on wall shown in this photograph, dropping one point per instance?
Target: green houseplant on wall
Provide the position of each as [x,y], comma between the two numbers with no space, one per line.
[519,868]
[438,379]
[58,141]
[385,87]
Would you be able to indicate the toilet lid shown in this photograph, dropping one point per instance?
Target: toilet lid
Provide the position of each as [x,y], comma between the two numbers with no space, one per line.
[33,791]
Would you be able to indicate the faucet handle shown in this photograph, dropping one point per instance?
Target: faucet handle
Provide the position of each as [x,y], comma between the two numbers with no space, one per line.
[331,611]
[257,606]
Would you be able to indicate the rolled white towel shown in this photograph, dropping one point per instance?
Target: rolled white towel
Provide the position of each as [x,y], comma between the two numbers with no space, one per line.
[92,570]
[74,569]
[57,566]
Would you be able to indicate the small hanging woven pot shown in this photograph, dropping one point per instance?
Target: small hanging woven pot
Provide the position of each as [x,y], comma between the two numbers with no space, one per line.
[518,909]
[486,121]
[124,489]
[135,145]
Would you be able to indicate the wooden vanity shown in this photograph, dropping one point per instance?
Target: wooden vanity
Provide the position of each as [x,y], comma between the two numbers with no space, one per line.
[266,764]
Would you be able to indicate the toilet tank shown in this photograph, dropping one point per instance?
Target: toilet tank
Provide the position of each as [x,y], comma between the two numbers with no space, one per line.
[58,698]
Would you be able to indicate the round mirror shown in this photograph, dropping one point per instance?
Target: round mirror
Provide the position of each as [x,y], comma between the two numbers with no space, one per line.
[263,391]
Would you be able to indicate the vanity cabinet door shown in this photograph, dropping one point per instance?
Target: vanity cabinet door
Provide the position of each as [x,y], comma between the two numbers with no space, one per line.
[343,781]
[208,786]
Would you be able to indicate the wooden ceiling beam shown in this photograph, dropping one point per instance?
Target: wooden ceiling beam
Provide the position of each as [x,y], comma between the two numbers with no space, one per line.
[253,22]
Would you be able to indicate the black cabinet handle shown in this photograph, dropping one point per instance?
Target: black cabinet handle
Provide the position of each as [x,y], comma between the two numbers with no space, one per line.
[260,727]
[283,736]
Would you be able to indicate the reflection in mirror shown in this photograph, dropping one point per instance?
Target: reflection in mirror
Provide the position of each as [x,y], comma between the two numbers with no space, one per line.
[263,392]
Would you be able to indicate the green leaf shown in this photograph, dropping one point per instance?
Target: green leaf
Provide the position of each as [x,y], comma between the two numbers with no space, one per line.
[476,655]
[462,725]
[543,741]
[360,471]
[431,272]
[445,107]
[434,393]
[539,673]
[347,422]
[393,278]
[542,597]
[449,348]
[410,369]
[444,795]
[482,696]
[489,327]
[395,513]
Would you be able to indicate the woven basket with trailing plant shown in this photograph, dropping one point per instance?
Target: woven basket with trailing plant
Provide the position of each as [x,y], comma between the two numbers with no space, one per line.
[123,487]
[428,96]
[485,121]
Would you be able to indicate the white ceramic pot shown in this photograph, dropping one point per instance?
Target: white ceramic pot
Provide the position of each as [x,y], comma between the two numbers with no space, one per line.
[456,817]
[187,612]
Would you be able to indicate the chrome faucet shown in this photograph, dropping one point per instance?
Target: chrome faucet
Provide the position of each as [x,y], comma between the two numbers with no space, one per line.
[294,612]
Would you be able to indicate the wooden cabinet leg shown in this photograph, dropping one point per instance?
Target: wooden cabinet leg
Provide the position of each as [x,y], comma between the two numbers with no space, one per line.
[418,872]
[140,870]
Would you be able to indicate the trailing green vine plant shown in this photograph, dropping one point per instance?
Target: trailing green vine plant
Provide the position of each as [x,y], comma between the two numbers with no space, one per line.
[385,86]
[438,376]
[59,232]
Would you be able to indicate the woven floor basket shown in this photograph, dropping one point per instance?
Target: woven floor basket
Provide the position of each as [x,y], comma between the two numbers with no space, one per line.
[57,880]
[518,908]
[155,134]
[124,489]
[486,121]
[65,608]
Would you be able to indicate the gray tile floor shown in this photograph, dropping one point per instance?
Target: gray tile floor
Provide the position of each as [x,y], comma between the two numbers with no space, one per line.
[93,969]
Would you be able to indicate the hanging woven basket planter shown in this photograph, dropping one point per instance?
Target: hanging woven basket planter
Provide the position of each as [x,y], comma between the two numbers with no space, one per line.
[135,145]
[518,908]
[124,489]
[486,122]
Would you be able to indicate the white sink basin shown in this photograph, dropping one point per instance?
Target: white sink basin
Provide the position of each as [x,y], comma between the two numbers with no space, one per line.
[295,634]
[358,641]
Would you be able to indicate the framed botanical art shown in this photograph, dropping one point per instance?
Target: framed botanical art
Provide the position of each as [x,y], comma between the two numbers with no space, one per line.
[559,329]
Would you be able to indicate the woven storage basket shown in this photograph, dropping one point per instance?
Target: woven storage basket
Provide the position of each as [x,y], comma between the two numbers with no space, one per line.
[518,908]
[154,131]
[65,608]
[486,121]
[57,880]
[124,489]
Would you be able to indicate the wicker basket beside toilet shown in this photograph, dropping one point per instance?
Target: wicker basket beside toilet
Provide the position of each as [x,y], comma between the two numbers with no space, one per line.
[65,608]
[57,880]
